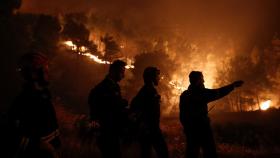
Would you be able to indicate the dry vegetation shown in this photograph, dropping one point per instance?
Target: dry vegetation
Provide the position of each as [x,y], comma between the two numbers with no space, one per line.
[242,135]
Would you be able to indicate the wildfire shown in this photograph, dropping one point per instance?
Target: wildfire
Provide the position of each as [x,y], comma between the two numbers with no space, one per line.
[265,105]
[96,59]
[84,51]
[175,84]
[70,44]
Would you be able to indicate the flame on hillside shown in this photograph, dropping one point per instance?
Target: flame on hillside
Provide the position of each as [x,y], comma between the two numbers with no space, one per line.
[82,50]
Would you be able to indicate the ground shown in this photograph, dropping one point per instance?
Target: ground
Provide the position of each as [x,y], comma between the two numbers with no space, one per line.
[238,135]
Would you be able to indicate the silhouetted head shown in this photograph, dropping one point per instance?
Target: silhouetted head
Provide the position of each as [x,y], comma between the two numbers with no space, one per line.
[151,75]
[34,68]
[9,6]
[117,70]
[196,78]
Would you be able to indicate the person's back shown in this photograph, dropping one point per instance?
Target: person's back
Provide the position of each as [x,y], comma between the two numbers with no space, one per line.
[147,104]
[194,101]
[106,104]
[196,106]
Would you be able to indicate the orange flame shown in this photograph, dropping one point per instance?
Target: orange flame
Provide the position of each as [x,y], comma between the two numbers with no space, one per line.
[71,45]
[96,59]
[176,85]
[265,105]
[84,51]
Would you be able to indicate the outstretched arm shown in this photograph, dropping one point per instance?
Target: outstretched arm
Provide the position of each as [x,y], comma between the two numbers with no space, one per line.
[215,94]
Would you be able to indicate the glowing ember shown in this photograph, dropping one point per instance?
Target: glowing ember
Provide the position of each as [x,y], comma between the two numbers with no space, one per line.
[129,66]
[265,105]
[83,49]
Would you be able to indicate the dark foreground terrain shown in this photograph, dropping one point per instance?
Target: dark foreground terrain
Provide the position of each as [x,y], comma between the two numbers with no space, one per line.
[238,135]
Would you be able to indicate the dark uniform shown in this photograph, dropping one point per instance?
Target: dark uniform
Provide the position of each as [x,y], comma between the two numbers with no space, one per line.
[33,116]
[195,120]
[146,106]
[108,107]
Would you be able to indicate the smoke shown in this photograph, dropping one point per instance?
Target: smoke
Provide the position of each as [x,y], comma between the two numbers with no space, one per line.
[199,22]
[259,69]
[209,36]
[218,15]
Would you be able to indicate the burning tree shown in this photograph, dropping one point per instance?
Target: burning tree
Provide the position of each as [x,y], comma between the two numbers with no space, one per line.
[46,34]
[111,47]
[74,30]
[259,69]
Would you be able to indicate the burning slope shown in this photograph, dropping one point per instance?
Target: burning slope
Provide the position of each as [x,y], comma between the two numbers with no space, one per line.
[203,36]
[82,50]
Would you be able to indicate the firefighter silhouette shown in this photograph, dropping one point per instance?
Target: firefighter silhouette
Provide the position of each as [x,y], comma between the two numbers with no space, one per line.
[33,114]
[194,115]
[107,110]
[146,107]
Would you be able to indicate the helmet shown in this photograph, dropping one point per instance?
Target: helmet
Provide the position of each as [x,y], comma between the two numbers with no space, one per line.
[32,62]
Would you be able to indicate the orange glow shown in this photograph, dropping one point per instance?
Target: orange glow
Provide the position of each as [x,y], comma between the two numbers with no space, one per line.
[265,105]
[70,44]
[96,59]
[176,85]
[84,51]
